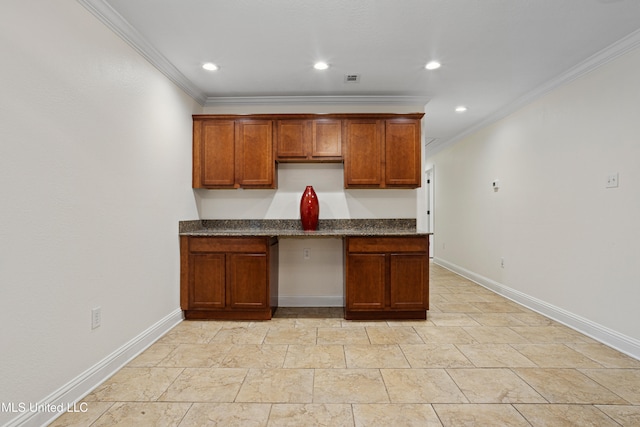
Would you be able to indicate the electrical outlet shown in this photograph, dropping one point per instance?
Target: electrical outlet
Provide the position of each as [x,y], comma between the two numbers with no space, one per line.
[612,180]
[306,253]
[96,317]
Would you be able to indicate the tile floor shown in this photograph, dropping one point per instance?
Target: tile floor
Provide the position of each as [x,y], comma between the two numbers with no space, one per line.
[478,360]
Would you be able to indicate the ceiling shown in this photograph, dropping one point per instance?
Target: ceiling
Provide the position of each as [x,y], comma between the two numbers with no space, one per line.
[496,55]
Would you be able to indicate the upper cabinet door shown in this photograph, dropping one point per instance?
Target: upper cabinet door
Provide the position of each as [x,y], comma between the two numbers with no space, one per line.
[318,140]
[402,153]
[292,139]
[255,166]
[214,153]
[327,139]
[363,157]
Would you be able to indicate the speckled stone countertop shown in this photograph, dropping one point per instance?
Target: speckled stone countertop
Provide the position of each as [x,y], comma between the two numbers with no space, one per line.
[293,228]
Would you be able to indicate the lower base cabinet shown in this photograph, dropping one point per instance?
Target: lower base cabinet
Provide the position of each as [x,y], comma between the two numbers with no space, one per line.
[386,277]
[228,277]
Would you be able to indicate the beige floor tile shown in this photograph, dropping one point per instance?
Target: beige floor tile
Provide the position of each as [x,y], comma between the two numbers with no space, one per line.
[445,335]
[227,415]
[161,414]
[456,307]
[555,356]
[291,335]
[375,356]
[606,356]
[451,319]
[152,356]
[135,384]
[255,356]
[349,386]
[88,413]
[501,306]
[533,319]
[395,414]
[495,385]
[195,356]
[479,415]
[240,335]
[277,386]
[565,416]
[343,336]
[496,319]
[548,334]
[311,415]
[625,382]
[189,332]
[315,356]
[567,386]
[626,415]
[495,335]
[435,356]
[494,356]
[421,386]
[318,323]
[395,335]
[205,385]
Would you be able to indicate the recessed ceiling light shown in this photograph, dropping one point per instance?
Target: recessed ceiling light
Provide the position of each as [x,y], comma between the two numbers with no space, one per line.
[461,109]
[210,66]
[320,65]
[432,65]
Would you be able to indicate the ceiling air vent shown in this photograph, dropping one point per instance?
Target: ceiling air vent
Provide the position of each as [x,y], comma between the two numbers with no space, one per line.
[352,78]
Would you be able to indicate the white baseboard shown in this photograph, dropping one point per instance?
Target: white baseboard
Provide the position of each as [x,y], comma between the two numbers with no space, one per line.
[609,337]
[72,392]
[310,301]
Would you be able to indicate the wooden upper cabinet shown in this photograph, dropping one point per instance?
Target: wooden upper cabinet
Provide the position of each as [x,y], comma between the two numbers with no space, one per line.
[363,157]
[402,153]
[318,140]
[230,153]
[240,151]
[383,153]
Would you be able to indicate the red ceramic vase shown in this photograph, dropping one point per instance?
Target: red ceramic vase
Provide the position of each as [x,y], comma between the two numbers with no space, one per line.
[309,209]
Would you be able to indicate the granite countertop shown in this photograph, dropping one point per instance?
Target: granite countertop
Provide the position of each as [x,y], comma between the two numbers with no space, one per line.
[293,228]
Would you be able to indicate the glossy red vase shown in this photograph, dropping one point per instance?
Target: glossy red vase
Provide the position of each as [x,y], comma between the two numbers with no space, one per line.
[309,209]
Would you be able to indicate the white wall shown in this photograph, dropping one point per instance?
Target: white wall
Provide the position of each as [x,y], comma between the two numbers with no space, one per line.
[570,245]
[319,280]
[95,149]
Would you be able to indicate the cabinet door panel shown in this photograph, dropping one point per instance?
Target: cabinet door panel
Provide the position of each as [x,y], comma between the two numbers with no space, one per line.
[207,281]
[327,138]
[247,278]
[363,165]
[218,153]
[365,282]
[402,153]
[254,153]
[293,137]
[409,285]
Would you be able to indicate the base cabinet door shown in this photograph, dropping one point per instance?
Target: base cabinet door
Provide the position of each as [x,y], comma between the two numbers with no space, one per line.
[207,281]
[247,279]
[365,282]
[408,281]
[228,278]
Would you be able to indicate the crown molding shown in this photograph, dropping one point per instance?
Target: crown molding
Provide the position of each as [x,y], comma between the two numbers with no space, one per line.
[317,100]
[604,56]
[114,21]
